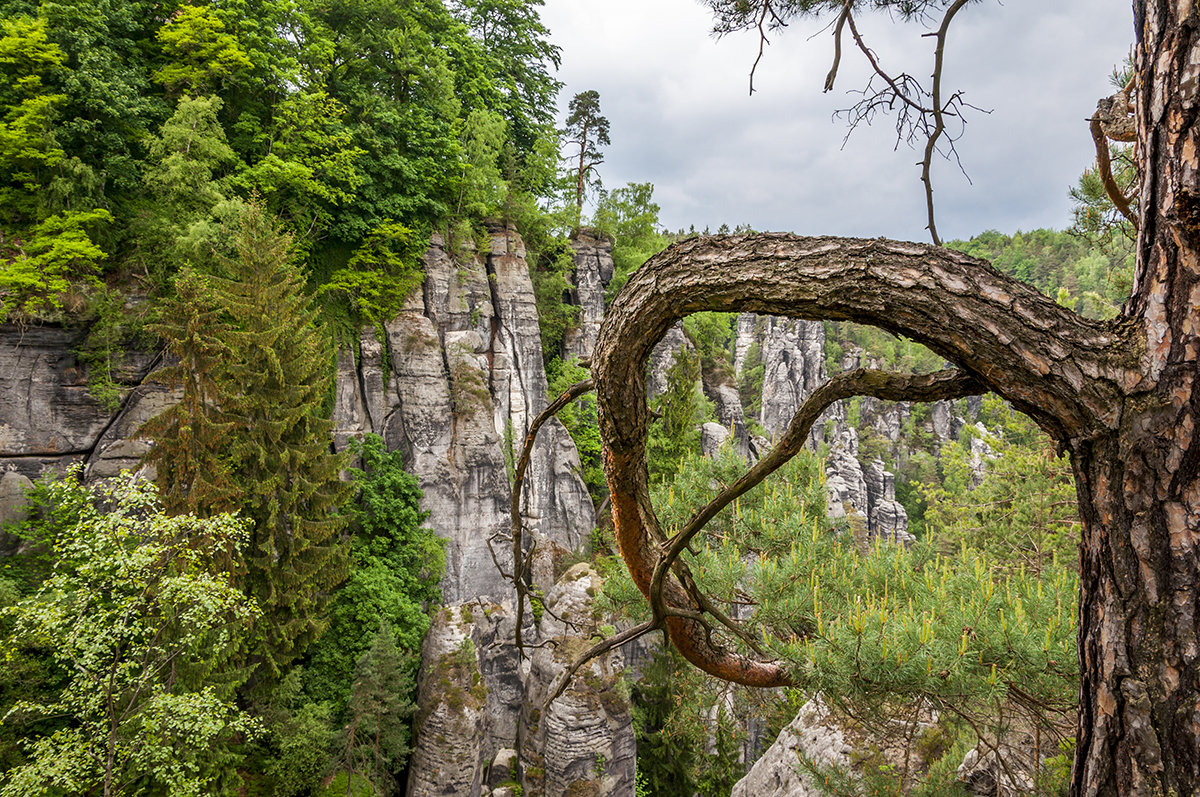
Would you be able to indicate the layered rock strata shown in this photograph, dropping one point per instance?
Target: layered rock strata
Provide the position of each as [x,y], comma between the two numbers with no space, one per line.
[49,419]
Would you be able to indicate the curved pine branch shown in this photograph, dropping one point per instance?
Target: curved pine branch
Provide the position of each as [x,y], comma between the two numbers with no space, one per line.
[1005,337]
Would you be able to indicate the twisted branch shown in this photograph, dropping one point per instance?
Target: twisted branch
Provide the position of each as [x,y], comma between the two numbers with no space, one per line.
[669,596]
[1111,120]
[1002,335]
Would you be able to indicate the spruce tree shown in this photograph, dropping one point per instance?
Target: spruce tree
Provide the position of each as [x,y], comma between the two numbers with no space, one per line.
[681,409]
[251,432]
[192,473]
[377,729]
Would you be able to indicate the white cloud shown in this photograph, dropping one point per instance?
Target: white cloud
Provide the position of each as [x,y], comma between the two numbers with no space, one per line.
[682,119]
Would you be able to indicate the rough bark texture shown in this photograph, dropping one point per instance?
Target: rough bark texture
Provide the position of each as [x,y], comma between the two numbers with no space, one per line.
[1117,396]
[1140,692]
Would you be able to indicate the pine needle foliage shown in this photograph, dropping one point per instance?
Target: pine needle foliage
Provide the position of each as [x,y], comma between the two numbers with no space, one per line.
[251,431]
[881,634]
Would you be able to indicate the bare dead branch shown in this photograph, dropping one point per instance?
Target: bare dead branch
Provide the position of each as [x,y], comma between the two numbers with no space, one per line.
[902,85]
[598,649]
[1104,166]
[762,42]
[517,527]
[939,122]
[919,113]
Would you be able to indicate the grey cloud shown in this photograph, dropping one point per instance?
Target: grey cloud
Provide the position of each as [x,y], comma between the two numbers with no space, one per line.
[681,117]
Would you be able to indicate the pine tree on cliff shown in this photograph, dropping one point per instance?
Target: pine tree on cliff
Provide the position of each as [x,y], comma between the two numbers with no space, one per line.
[251,434]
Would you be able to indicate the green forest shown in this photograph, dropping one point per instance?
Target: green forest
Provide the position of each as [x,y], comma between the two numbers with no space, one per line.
[246,186]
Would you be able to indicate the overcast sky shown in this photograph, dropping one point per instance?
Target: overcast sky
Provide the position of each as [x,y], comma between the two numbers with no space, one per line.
[682,118]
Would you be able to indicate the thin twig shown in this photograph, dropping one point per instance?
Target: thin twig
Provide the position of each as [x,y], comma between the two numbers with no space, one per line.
[570,394]
[939,122]
[594,651]
[762,42]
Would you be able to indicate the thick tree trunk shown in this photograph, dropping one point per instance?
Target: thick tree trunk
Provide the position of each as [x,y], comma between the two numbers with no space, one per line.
[1139,723]
[1139,707]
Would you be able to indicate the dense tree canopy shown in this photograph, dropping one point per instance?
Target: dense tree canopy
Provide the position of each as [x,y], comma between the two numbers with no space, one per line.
[346,119]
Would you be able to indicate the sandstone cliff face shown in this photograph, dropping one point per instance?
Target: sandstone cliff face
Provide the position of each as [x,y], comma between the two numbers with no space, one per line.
[793,354]
[813,735]
[584,743]
[453,382]
[455,385]
[48,419]
[471,352]
[593,272]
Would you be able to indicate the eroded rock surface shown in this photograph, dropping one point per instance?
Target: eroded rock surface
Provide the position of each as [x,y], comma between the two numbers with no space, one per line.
[593,271]
[453,741]
[793,353]
[455,385]
[813,735]
[48,417]
[584,743]
[474,686]
[662,358]
[886,517]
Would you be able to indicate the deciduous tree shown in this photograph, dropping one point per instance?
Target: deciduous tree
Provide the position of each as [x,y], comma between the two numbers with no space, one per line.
[144,632]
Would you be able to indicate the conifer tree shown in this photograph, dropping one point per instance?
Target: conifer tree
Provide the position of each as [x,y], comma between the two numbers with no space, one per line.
[588,130]
[377,729]
[682,410]
[251,432]
[192,474]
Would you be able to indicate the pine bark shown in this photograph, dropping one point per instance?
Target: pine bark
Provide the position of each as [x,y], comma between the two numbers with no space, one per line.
[1139,726]
[1120,397]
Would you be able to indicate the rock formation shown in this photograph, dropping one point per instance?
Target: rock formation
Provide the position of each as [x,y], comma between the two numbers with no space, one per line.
[663,357]
[584,743]
[48,417]
[593,271]
[886,518]
[845,485]
[465,381]
[475,684]
[793,353]
[813,735]
[453,729]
